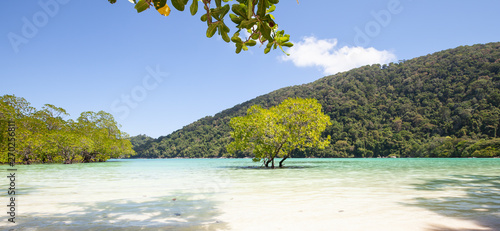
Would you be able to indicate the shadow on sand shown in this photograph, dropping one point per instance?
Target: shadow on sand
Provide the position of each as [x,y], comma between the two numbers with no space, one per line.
[166,213]
[264,168]
[480,202]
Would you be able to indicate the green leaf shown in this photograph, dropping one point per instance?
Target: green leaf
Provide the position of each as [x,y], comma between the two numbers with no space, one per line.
[141,6]
[287,44]
[218,3]
[266,31]
[274,1]
[236,38]
[179,4]
[248,23]
[204,18]
[159,4]
[282,40]
[267,50]
[239,46]
[255,36]
[112,1]
[224,9]
[251,43]
[219,28]
[249,9]
[261,11]
[271,9]
[240,10]
[225,28]
[216,13]
[194,7]
[225,37]
[211,30]
[235,19]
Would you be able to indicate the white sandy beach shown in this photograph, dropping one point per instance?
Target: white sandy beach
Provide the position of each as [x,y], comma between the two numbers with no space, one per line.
[356,212]
[166,195]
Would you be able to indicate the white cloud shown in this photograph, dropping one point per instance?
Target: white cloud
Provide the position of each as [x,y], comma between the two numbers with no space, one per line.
[325,54]
[246,35]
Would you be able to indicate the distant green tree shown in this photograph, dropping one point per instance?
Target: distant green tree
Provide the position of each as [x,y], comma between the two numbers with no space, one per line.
[28,134]
[44,136]
[491,119]
[296,123]
[107,141]
[252,16]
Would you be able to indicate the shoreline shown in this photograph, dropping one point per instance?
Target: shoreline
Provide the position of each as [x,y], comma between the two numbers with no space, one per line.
[236,158]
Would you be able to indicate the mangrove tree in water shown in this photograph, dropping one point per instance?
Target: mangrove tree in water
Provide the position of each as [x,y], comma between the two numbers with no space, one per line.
[272,133]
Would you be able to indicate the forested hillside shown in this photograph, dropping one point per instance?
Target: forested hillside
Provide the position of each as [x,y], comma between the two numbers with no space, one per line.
[441,105]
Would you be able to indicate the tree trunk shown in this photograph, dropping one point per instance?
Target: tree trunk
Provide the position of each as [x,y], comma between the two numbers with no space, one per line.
[272,163]
[87,157]
[26,158]
[281,162]
[67,157]
[67,160]
[267,163]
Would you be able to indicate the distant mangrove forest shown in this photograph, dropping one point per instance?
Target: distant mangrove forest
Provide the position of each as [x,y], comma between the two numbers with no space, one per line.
[44,136]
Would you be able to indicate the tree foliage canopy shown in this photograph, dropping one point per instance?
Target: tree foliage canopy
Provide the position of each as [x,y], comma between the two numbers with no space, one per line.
[445,104]
[275,132]
[43,136]
[251,16]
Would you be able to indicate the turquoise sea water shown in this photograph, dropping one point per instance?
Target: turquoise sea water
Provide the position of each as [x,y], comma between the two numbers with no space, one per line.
[227,194]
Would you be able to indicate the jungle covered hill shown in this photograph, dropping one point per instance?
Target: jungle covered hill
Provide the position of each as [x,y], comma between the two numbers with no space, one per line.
[445,104]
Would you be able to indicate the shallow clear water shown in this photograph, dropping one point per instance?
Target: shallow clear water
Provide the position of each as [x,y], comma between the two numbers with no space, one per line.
[235,194]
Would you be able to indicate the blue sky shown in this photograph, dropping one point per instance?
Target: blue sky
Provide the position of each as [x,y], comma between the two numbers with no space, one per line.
[157,74]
